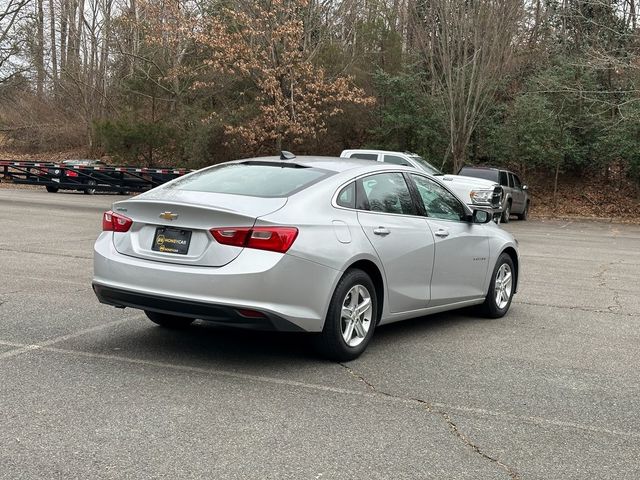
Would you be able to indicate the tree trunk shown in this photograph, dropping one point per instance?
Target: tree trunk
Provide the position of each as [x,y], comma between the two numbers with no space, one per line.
[79,30]
[39,54]
[555,186]
[71,60]
[54,53]
[64,8]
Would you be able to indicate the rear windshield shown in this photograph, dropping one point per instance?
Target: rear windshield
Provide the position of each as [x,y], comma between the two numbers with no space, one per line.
[479,173]
[255,180]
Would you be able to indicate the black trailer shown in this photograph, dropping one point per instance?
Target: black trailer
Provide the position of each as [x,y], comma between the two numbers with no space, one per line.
[89,177]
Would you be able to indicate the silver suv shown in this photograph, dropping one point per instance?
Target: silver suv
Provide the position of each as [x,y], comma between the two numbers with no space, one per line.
[516,195]
[476,192]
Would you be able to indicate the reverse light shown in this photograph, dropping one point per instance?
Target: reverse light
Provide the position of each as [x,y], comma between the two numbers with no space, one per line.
[114,222]
[274,239]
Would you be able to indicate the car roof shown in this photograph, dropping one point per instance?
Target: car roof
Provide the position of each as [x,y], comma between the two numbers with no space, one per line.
[482,167]
[333,164]
[375,150]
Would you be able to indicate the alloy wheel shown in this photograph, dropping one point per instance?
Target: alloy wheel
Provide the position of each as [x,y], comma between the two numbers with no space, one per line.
[356,315]
[503,286]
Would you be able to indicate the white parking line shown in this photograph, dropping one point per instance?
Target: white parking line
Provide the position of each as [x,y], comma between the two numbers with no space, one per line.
[23,348]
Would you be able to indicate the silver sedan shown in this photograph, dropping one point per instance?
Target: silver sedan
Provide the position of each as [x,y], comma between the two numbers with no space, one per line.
[331,246]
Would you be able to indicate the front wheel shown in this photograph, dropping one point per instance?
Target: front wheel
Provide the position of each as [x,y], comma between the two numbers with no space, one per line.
[501,288]
[506,214]
[169,321]
[52,189]
[351,318]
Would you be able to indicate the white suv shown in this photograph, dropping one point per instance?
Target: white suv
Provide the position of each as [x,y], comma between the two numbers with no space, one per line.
[475,192]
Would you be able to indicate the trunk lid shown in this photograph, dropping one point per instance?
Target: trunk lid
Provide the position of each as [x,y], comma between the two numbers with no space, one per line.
[186,217]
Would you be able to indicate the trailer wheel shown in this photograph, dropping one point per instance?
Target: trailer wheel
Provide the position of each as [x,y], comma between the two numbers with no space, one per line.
[91,191]
[52,189]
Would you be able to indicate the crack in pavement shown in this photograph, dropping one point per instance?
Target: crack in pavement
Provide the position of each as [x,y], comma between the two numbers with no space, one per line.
[58,291]
[581,309]
[604,269]
[57,254]
[453,428]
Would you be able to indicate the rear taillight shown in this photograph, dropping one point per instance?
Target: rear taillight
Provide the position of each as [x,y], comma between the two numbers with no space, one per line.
[114,222]
[71,173]
[274,239]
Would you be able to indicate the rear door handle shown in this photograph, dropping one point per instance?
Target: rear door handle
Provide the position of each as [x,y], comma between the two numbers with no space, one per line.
[381,231]
[442,233]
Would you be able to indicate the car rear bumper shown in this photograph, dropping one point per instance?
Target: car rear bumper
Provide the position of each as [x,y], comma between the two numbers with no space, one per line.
[204,311]
[292,293]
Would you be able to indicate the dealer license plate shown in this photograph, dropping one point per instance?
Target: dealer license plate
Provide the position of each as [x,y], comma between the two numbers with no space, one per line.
[171,240]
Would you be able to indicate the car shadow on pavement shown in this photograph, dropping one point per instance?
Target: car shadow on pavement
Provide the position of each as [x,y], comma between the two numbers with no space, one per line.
[211,345]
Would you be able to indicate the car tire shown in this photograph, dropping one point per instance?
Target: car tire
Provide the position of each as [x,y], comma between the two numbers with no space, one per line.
[90,191]
[525,214]
[495,304]
[345,338]
[506,214]
[165,320]
[52,189]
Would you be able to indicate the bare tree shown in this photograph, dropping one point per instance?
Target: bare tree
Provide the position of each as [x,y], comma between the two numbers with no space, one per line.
[39,48]
[54,50]
[10,47]
[467,45]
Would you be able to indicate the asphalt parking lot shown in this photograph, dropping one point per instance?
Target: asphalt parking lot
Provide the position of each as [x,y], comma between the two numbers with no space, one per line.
[551,391]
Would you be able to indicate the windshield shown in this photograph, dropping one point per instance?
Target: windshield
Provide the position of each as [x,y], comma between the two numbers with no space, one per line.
[484,173]
[426,166]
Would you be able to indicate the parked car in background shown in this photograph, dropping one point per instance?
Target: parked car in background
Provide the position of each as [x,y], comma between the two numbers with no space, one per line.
[516,195]
[475,192]
[63,175]
[307,244]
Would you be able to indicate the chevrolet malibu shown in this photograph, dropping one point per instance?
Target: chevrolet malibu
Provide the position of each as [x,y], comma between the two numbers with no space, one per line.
[333,247]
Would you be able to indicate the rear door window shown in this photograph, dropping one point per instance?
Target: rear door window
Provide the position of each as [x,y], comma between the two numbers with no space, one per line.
[386,193]
[504,179]
[252,179]
[516,181]
[347,196]
[511,180]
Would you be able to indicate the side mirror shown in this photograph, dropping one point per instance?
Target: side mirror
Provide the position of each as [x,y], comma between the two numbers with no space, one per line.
[524,187]
[481,216]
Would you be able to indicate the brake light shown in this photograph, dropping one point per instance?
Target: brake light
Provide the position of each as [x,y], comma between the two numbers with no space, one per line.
[71,173]
[236,237]
[114,222]
[274,239]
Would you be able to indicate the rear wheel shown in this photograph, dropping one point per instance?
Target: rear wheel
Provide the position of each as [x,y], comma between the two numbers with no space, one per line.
[52,189]
[525,214]
[169,321]
[351,318]
[501,288]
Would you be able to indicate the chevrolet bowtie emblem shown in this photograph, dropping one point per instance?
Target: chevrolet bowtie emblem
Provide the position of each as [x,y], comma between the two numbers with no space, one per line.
[168,215]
